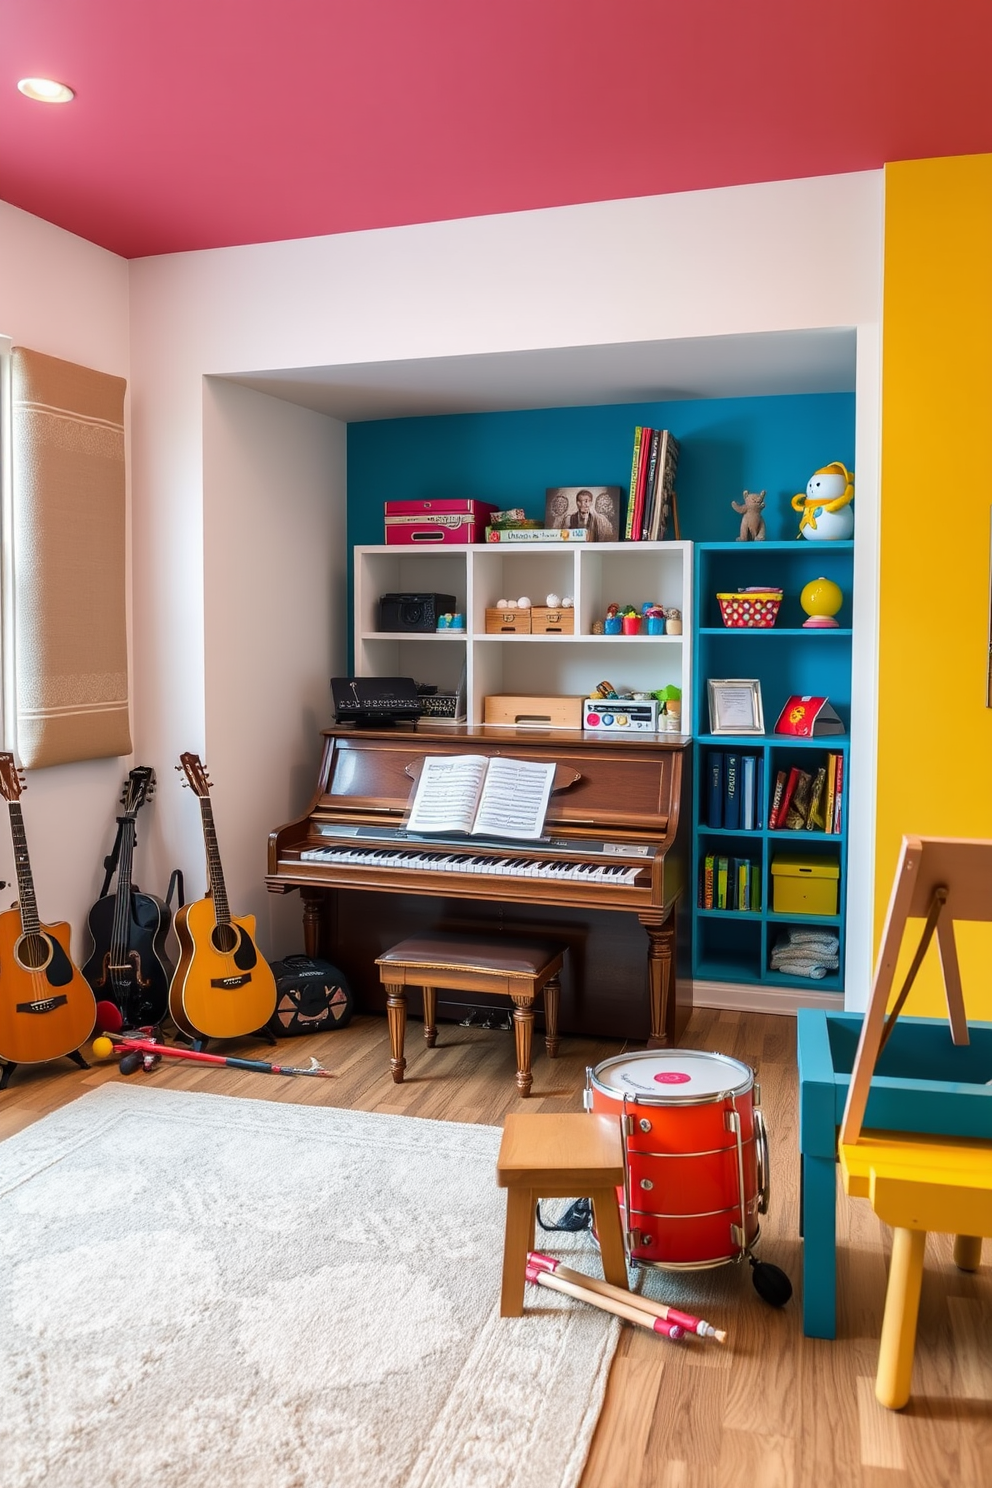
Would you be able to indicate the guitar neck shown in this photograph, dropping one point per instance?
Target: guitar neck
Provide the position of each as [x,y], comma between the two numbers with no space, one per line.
[30,923]
[215,872]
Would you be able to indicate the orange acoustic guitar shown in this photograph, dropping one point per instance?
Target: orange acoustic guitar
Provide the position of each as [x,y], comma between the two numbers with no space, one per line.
[46,1006]
[222,988]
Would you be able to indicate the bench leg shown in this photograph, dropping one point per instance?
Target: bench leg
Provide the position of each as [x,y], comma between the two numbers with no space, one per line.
[518,1240]
[902,1307]
[396,1015]
[819,1229]
[523,1028]
[430,1016]
[609,1233]
[968,1252]
[552,993]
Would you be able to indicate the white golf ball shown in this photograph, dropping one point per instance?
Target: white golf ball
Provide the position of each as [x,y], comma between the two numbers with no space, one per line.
[567,602]
[553,601]
[501,604]
[523,603]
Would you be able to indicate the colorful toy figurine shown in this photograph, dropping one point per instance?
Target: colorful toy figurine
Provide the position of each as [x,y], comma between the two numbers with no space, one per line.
[826,506]
[752,522]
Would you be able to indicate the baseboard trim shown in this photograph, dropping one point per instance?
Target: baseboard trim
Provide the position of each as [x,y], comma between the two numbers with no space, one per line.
[738,997]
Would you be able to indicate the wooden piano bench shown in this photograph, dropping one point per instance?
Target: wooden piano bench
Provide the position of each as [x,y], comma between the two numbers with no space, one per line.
[517,969]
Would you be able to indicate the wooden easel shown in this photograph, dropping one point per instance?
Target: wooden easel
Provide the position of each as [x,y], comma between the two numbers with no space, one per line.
[938,880]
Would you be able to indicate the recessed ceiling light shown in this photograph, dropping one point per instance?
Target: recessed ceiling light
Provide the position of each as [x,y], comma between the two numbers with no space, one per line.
[44,90]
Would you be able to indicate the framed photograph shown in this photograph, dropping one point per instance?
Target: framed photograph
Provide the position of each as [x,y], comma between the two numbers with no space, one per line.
[735,705]
[596,508]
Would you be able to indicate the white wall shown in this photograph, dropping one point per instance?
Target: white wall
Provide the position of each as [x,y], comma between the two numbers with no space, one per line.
[66,298]
[275,554]
[785,255]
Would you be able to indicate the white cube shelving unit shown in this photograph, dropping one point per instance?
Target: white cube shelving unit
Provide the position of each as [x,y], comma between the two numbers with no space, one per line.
[594,575]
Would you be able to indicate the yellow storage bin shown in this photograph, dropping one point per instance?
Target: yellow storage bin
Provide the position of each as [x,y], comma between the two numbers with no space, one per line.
[805,885]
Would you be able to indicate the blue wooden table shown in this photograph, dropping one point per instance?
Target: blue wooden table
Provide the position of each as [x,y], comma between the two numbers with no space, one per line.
[923,1083]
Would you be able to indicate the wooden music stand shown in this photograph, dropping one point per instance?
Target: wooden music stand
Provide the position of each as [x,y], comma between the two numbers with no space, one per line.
[938,880]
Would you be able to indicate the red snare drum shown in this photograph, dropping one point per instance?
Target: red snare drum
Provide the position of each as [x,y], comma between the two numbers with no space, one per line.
[696,1154]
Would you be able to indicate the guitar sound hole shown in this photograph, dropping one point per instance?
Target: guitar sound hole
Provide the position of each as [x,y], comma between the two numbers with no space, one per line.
[225,939]
[33,952]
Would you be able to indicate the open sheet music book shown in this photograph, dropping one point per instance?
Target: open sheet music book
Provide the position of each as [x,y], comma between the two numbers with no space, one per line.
[479,796]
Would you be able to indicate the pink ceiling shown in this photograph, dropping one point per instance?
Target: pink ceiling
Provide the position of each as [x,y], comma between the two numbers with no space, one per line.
[203,123]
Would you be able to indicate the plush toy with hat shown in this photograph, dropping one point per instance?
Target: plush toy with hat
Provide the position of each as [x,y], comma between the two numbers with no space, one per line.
[826,505]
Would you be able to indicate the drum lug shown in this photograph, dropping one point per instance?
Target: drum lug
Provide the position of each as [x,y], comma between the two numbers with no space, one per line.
[732,1121]
[587,1093]
[737,1237]
[757,1092]
[627,1122]
[637,1240]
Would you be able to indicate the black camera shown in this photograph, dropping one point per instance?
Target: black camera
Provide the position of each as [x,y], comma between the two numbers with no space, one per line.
[416,612]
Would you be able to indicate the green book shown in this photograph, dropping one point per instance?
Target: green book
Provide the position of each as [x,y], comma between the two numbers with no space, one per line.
[721,883]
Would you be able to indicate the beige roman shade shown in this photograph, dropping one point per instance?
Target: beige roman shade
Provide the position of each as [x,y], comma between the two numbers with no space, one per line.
[70,622]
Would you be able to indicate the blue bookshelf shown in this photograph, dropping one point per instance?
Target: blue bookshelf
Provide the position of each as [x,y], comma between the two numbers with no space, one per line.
[736,945]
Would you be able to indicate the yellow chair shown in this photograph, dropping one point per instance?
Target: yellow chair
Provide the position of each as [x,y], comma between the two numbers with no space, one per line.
[917,1183]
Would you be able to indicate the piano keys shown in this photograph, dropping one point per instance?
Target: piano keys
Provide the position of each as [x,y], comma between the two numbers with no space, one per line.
[615,840]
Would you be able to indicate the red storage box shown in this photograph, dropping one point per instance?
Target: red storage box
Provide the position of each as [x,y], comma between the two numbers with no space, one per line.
[420,523]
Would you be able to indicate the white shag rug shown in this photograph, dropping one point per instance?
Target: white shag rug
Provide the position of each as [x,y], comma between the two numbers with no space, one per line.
[197,1290]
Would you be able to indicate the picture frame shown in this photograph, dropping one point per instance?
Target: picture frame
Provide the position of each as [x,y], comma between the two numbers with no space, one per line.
[735,705]
[596,508]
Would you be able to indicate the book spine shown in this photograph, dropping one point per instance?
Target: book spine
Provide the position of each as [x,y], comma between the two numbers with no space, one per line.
[650,485]
[635,466]
[714,814]
[748,764]
[731,796]
[775,813]
[536,534]
[641,480]
[756,888]
[831,787]
[721,883]
[839,798]
[665,502]
[759,793]
[708,881]
[743,884]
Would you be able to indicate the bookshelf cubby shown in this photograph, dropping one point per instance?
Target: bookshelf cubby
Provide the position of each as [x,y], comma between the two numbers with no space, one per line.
[735,945]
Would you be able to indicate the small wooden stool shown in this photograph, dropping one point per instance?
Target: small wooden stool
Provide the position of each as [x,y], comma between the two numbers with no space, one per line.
[518,969]
[545,1156]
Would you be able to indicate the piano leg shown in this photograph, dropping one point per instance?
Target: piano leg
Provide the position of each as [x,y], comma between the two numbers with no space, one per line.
[396,1015]
[661,972]
[552,991]
[430,1016]
[523,1030]
[313,920]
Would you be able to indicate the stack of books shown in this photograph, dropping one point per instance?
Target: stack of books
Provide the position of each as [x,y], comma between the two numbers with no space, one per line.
[809,800]
[730,883]
[735,785]
[651,501]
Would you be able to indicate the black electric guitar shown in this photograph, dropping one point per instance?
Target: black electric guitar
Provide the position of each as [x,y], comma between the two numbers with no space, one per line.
[128,965]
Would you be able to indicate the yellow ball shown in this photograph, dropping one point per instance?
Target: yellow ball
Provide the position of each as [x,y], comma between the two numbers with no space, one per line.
[821,597]
[102,1048]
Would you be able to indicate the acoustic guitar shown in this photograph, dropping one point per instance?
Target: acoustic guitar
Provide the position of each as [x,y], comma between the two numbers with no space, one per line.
[222,987]
[128,965]
[46,1007]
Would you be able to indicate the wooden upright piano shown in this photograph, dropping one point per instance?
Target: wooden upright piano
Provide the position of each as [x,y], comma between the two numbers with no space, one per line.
[614,847]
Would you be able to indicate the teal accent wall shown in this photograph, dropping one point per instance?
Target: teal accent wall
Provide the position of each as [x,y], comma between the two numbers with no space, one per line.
[726,445]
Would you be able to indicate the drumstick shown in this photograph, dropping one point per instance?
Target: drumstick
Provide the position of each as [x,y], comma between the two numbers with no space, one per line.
[606,1289]
[619,1309]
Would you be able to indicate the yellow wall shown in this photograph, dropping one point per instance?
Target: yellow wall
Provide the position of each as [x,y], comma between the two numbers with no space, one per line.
[934,731]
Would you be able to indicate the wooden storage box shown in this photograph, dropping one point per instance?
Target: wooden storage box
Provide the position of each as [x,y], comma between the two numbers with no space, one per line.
[552,622]
[507,622]
[536,712]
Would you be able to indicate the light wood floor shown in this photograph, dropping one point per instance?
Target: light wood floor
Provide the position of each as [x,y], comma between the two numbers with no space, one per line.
[772,1409]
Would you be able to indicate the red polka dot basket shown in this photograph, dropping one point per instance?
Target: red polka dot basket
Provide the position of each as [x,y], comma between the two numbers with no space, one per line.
[753,609]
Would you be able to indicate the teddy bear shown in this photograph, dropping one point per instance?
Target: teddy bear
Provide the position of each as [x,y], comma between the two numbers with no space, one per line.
[752,522]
